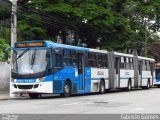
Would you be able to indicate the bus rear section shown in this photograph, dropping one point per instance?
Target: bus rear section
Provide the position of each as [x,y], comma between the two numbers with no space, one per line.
[129,71]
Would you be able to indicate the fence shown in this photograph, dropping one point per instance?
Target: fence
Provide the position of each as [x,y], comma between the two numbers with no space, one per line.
[4,76]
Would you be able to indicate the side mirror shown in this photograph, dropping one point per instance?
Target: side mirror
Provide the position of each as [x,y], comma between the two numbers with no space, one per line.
[7,54]
[48,54]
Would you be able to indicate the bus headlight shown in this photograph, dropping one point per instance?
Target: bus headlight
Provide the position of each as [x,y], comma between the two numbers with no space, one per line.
[39,79]
[12,80]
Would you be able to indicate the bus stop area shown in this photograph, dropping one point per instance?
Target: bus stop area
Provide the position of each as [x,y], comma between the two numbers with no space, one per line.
[4,95]
[4,80]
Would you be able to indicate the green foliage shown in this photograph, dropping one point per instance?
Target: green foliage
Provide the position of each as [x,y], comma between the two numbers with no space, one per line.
[3,46]
[33,33]
[108,24]
[5,9]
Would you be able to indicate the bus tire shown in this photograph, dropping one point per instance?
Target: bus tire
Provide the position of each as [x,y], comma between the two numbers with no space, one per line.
[66,89]
[33,95]
[102,87]
[129,87]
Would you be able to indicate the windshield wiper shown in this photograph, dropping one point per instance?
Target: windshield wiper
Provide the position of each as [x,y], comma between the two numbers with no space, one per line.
[33,58]
[21,54]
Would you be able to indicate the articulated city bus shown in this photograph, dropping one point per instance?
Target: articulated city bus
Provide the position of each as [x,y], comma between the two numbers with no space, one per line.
[46,67]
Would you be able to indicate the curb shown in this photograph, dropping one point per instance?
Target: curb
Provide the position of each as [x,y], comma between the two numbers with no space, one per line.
[4,95]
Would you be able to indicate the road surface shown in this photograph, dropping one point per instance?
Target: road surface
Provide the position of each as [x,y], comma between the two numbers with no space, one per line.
[121,102]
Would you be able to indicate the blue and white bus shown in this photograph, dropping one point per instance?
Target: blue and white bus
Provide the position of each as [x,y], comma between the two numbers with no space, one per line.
[46,67]
[157,72]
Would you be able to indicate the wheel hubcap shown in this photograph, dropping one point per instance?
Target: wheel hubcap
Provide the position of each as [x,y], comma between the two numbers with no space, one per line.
[66,88]
[129,87]
[102,88]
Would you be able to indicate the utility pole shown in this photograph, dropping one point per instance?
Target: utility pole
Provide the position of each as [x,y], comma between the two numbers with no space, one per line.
[145,37]
[145,32]
[13,35]
[13,22]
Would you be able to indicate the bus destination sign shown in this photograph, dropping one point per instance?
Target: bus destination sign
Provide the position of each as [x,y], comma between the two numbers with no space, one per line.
[31,44]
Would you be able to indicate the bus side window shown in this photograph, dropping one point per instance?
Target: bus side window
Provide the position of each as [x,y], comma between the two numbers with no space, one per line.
[127,63]
[57,60]
[67,57]
[92,60]
[122,63]
[100,62]
[105,61]
[144,64]
[131,63]
[148,65]
[74,59]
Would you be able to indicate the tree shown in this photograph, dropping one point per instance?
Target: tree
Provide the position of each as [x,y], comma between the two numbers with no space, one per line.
[5,9]
[141,14]
[93,22]
[3,46]
[111,25]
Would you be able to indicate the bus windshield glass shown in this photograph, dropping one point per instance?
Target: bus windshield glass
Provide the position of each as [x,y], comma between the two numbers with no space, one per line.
[29,61]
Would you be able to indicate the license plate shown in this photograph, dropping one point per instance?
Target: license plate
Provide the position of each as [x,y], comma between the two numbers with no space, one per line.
[24,91]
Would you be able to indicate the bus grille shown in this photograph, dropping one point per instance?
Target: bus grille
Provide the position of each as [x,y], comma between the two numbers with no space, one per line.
[25,86]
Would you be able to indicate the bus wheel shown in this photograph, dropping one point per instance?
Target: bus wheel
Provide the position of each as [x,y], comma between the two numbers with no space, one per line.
[102,87]
[33,95]
[66,89]
[129,87]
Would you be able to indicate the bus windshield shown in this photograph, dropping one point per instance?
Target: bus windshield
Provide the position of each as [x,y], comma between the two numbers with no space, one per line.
[29,61]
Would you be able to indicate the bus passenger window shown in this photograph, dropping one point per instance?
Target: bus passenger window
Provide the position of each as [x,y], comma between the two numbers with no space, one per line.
[122,63]
[92,61]
[148,65]
[57,60]
[143,65]
[131,63]
[74,59]
[100,62]
[67,57]
[74,64]
[105,61]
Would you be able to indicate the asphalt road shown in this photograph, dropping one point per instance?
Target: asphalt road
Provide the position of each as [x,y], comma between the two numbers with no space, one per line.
[121,102]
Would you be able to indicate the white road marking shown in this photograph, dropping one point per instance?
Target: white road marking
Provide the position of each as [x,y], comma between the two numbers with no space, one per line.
[69,104]
[136,109]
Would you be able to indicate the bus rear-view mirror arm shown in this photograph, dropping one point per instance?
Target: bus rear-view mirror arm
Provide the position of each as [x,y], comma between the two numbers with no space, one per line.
[7,55]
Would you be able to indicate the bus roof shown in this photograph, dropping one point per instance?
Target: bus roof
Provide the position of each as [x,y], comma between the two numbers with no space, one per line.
[52,44]
[123,54]
[145,58]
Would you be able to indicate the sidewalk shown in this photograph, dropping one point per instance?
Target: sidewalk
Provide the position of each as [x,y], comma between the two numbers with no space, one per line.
[4,95]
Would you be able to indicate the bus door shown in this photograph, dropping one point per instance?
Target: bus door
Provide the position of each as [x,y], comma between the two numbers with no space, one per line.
[152,72]
[117,68]
[80,59]
[139,73]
